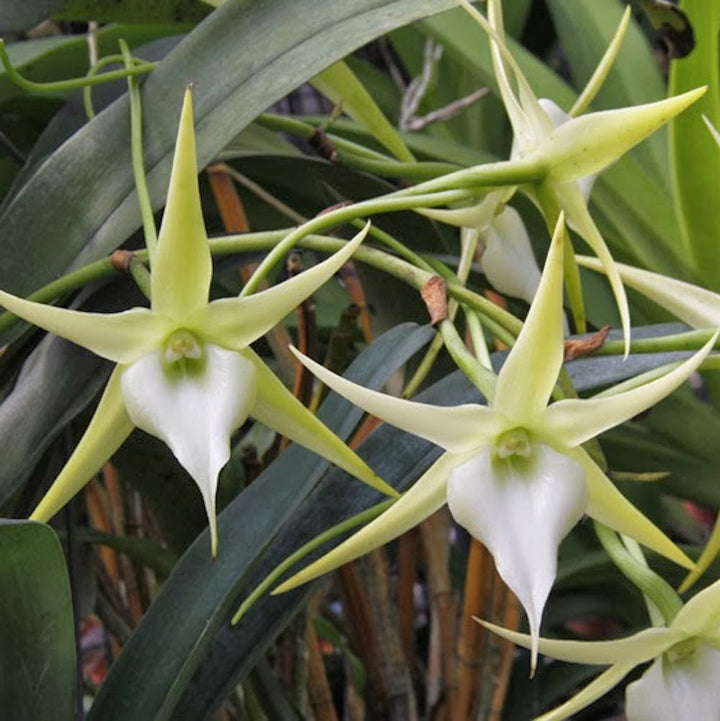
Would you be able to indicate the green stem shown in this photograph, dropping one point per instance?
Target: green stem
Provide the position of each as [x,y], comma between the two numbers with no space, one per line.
[304,550]
[335,217]
[499,321]
[482,378]
[653,586]
[136,144]
[73,84]
[94,70]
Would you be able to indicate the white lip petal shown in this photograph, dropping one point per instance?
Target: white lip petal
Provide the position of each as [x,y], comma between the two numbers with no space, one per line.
[686,688]
[520,508]
[508,260]
[194,414]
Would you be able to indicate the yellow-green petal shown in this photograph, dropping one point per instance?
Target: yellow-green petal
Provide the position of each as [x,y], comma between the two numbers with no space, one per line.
[634,649]
[538,351]
[609,506]
[455,428]
[608,679]
[574,420]
[236,322]
[590,143]
[414,506]
[119,337]
[276,407]
[182,267]
[698,307]
[571,200]
[109,427]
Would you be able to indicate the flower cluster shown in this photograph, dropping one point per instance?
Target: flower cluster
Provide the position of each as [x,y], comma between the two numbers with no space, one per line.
[514,471]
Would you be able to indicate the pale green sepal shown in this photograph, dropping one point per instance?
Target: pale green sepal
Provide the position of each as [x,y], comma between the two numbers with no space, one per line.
[414,506]
[677,688]
[635,649]
[538,351]
[276,407]
[520,508]
[708,555]
[713,130]
[108,429]
[455,428]
[479,215]
[236,322]
[119,337]
[608,679]
[570,198]
[700,616]
[698,307]
[578,420]
[590,143]
[603,68]
[194,407]
[607,505]
[182,267]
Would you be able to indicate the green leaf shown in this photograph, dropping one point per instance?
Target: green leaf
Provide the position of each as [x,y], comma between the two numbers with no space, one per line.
[694,152]
[37,661]
[339,84]
[188,622]
[23,14]
[134,11]
[273,47]
[62,57]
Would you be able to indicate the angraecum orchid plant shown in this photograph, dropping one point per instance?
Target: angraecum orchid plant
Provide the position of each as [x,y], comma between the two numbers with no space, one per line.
[359,360]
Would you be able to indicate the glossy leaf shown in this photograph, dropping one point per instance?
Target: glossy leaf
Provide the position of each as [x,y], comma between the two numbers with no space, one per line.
[37,662]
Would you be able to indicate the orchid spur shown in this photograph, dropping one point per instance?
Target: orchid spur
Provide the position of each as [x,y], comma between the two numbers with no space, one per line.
[681,683]
[514,473]
[185,371]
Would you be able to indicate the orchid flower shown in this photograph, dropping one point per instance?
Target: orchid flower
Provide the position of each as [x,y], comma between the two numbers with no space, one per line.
[514,473]
[682,681]
[567,151]
[700,309]
[185,371]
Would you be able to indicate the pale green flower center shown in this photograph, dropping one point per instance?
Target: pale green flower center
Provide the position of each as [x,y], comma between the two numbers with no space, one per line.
[682,650]
[513,443]
[182,351]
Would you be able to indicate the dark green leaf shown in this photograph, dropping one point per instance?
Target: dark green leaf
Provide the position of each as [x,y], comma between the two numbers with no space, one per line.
[37,644]
[86,187]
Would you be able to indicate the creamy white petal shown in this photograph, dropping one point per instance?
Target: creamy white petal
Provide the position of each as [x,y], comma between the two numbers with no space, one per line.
[508,259]
[530,371]
[119,337]
[414,506]
[276,407]
[634,649]
[193,413]
[670,690]
[698,307]
[574,421]
[182,265]
[520,508]
[237,322]
[455,428]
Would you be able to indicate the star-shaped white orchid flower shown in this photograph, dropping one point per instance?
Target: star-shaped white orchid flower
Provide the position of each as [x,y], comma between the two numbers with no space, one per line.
[681,683]
[514,473]
[185,370]
[568,152]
